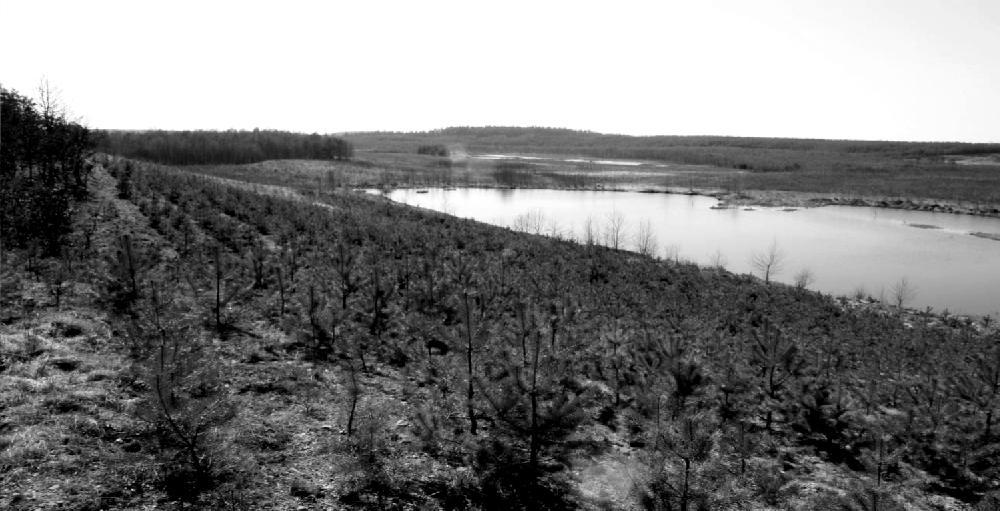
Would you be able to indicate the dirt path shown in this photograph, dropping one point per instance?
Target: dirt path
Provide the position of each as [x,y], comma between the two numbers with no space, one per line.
[64,405]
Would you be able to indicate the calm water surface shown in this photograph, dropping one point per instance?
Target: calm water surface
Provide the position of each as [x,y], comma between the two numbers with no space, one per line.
[845,248]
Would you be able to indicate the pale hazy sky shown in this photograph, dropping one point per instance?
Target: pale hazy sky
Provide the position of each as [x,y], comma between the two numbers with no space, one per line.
[860,69]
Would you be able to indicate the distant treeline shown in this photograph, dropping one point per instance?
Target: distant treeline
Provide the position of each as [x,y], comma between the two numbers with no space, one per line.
[43,170]
[222,147]
[747,153]
[567,137]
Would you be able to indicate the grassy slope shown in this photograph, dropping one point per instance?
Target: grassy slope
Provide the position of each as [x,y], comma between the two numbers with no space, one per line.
[69,399]
[68,423]
[72,434]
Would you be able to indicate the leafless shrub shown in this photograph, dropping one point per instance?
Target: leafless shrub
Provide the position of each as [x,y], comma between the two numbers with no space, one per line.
[902,293]
[532,222]
[769,263]
[804,278]
[859,293]
[718,260]
[589,232]
[645,239]
[672,253]
[614,234]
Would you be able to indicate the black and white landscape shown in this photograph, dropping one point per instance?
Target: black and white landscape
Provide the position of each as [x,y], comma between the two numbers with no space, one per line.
[722,256]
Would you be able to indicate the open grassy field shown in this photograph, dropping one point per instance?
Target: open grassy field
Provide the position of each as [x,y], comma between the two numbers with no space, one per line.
[952,172]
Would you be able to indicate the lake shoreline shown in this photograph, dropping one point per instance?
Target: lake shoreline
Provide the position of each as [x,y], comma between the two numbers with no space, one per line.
[950,255]
[776,198]
[984,324]
[772,198]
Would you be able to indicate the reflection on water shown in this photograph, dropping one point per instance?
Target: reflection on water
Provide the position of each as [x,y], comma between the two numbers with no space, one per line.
[845,248]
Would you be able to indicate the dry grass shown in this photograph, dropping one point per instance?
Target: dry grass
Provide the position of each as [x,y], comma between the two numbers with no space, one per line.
[56,415]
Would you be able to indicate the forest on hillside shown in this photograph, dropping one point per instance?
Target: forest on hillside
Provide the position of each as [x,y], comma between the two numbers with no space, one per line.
[221,147]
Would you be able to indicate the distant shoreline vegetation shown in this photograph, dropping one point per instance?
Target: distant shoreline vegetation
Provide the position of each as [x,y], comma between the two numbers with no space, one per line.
[759,154]
[950,171]
[222,147]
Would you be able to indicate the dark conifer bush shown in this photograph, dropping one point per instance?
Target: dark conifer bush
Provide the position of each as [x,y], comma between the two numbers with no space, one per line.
[43,171]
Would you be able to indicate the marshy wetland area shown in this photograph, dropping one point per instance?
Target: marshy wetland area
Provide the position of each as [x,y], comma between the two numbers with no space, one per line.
[209,325]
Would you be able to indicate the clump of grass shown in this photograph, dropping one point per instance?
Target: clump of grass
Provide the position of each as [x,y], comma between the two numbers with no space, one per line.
[28,444]
[22,347]
[268,435]
[61,404]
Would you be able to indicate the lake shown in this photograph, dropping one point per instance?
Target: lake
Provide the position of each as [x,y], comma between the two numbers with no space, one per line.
[845,248]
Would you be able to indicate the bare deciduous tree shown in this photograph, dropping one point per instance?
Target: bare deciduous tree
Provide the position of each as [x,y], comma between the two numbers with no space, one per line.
[49,100]
[615,234]
[645,239]
[902,293]
[769,263]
